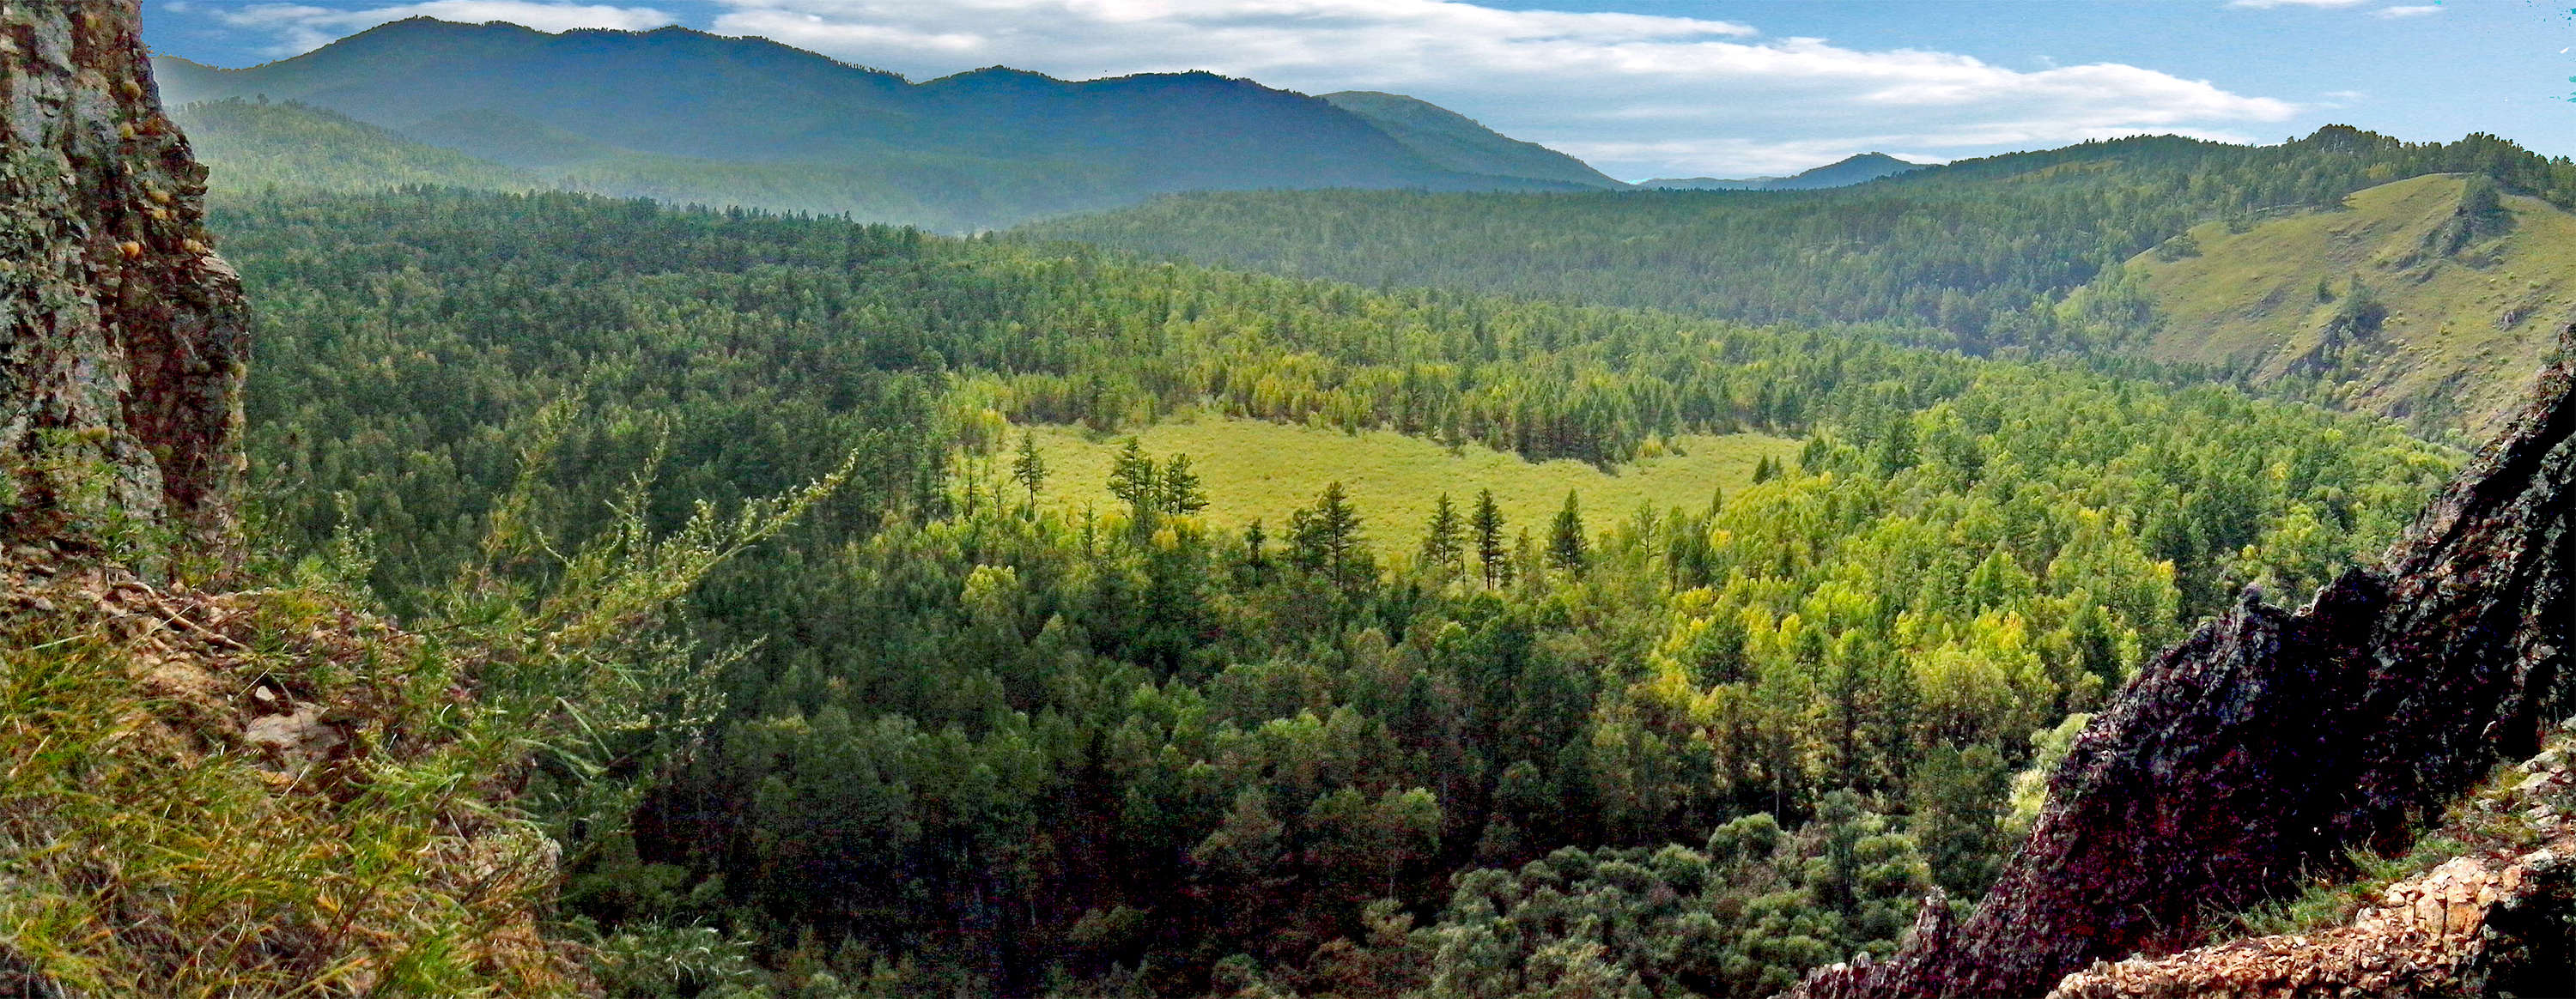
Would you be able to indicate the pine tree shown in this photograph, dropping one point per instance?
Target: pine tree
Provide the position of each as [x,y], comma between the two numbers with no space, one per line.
[1029,469]
[1565,542]
[1181,494]
[1326,536]
[1487,522]
[1132,479]
[1440,541]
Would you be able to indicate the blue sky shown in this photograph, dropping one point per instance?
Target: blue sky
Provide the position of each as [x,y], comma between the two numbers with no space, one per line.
[1669,87]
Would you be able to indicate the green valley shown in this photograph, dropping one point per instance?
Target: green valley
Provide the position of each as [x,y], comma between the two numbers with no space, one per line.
[1301,756]
[669,514]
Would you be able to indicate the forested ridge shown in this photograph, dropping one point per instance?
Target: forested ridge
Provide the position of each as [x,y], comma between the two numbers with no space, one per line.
[1981,249]
[967,744]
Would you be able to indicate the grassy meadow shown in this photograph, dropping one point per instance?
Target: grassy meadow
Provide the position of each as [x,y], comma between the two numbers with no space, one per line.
[1257,469]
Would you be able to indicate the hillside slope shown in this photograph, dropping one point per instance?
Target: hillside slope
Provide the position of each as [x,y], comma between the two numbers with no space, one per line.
[2430,299]
[1967,246]
[1459,143]
[248,145]
[691,117]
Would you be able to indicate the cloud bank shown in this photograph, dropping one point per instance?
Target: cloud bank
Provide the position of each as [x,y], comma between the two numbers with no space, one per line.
[1636,94]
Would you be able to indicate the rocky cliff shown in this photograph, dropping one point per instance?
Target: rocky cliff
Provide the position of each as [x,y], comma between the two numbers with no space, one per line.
[125,335]
[258,793]
[2269,743]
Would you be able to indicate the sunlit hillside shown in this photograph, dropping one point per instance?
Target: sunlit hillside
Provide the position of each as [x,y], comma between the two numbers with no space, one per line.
[2407,300]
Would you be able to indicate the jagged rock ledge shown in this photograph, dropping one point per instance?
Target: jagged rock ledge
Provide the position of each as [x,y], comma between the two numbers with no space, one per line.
[2260,749]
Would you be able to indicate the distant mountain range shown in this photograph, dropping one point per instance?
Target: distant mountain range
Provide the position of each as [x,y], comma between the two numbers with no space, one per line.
[1859,169]
[687,117]
[691,117]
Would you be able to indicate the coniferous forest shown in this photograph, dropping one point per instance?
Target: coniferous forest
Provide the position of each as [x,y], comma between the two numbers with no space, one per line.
[946,740]
[1984,250]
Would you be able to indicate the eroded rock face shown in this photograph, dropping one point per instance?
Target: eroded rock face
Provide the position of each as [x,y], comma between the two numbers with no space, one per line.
[2271,741]
[121,367]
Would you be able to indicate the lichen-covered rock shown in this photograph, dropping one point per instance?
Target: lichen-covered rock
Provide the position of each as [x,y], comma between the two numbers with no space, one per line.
[2271,741]
[122,335]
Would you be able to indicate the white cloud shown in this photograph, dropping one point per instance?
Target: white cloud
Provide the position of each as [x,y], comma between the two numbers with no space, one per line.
[304,27]
[2410,10]
[1638,94]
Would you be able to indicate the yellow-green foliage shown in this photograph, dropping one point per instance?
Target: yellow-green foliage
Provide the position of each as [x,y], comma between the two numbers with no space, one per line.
[1257,469]
[2466,325]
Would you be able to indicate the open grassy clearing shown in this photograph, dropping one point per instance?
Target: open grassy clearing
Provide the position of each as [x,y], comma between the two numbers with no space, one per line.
[1256,469]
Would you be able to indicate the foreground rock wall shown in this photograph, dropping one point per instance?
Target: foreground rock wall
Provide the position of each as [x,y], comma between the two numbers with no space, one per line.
[122,336]
[2260,749]
[2493,920]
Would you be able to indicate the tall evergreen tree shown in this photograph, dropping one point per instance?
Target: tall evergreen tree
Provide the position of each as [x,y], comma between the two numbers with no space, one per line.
[1029,469]
[1487,523]
[1566,547]
[1181,493]
[1440,538]
[1328,535]
[1132,478]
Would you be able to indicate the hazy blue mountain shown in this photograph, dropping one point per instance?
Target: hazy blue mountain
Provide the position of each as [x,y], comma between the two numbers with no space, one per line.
[688,116]
[1459,143]
[251,145]
[1859,169]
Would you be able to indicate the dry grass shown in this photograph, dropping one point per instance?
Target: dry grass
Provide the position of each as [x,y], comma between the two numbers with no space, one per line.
[259,794]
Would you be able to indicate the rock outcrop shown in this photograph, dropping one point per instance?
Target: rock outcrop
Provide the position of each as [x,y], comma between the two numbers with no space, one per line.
[2259,750]
[2492,920]
[121,366]
[266,792]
